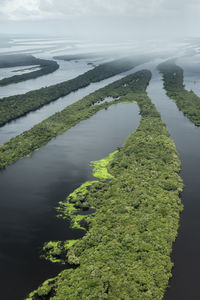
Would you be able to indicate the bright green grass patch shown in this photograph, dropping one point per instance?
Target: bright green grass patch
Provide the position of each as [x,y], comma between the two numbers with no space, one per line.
[82,190]
[69,244]
[56,251]
[100,167]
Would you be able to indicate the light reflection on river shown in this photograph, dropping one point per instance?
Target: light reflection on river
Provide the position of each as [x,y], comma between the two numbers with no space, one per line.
[67,70]
[26,122]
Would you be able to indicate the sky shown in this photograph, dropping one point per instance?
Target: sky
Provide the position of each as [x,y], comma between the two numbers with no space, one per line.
[101,18]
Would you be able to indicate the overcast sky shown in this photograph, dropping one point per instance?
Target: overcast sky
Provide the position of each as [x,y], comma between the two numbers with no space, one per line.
[95,18]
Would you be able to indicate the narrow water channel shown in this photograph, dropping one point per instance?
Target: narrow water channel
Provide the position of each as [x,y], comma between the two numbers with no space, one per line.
[26,122]
[32,187]
[67,70]
[186,252]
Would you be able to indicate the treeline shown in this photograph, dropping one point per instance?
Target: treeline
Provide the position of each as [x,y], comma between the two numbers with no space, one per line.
[42,133]
[79,56]
[16,60]
[6,61]
[17,106]
[125,253]
[187,101]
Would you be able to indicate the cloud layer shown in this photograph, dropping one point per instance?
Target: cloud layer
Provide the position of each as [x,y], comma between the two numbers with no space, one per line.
[62,9]
[94,18]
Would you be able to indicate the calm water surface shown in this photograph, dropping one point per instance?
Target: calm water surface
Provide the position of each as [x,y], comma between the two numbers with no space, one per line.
[32,187]
[186,253]
[26,122]
[67,71]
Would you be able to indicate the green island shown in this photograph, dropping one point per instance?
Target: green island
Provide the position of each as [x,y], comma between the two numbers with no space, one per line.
[71,57]
[16,106]
[16,60]
[125,252]
[39,135]
[187,101]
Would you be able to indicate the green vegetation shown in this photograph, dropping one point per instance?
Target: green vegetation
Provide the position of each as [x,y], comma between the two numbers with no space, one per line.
[53,251]
[125,253]
[16,106]
[56,251]
[100,167]
[187,101]
[69,208]
[24,144]
[6,61]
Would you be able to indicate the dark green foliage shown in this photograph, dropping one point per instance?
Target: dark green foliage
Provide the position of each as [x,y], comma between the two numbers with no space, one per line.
[125,253]
[187,102]
[42,133]
[6,61]
[16,106]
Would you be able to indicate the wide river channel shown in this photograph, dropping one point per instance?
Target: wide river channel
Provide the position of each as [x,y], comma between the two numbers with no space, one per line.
[26,122]
[32,187]
[184,284]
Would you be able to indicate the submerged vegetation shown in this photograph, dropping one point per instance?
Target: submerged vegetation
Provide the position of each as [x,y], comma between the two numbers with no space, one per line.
[46,67]
[42,133]
[125,253]
[187,101]
[16,106]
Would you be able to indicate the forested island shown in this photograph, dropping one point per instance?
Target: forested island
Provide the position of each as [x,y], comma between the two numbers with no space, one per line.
[187,101]
[80,56]
[16,60]
[25,143]
[16,106]
[134,212]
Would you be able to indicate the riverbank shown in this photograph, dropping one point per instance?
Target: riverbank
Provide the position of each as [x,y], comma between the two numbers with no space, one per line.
[126,249]
[187,101]
[14,107]
[186,136]
[46,67]
[42,133]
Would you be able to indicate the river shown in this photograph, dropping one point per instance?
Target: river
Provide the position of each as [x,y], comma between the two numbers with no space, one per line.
[184,284]
[26,122]
[32,187]
[191,67]
[67,70]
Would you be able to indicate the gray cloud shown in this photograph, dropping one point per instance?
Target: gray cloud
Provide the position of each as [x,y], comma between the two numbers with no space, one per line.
[125,17]
[57,9]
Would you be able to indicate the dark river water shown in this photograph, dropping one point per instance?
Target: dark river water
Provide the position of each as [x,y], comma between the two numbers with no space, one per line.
[32,187]
[186,252]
